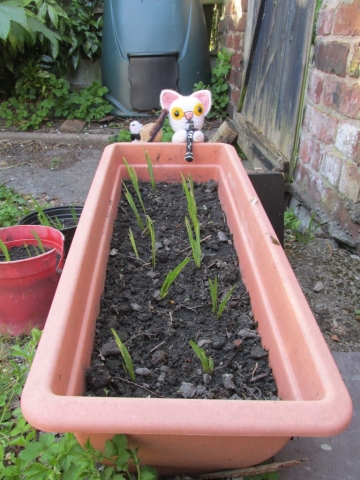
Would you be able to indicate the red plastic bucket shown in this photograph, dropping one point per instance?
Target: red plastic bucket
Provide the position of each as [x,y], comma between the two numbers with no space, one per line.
[27,287]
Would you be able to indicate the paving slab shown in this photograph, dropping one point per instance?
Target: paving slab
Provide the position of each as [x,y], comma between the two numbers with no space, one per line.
[330,458]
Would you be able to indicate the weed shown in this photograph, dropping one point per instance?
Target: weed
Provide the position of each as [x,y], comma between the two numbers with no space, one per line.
[166,131]
[124,135]
[127,362]
[171,277]
[26,453]
[39,242]
[12,206]
[206,362]
[218,84]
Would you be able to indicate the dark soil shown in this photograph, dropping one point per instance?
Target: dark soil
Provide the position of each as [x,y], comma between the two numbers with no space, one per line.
[157,332]
[22,253]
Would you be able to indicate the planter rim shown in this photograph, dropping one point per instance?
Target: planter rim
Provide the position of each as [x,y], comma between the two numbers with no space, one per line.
[50,210]
[328,413]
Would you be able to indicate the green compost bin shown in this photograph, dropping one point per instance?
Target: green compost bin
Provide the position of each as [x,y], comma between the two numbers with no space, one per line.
[150,45]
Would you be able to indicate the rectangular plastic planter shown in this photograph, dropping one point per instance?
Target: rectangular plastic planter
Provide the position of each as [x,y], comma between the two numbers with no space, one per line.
[178,435]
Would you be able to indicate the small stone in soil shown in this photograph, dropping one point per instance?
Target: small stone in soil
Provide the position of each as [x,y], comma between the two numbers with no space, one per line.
[258,352]
[247,333]
[227,380]
[218,343]
[207,378]
[158,357]
[110,348]
[187,390]
[143,372]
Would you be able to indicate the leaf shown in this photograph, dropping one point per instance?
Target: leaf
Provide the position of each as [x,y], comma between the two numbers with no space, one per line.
[31,451]
[8,13]
[148,473]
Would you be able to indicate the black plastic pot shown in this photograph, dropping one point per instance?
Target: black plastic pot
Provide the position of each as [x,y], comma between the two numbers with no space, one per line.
[63,214]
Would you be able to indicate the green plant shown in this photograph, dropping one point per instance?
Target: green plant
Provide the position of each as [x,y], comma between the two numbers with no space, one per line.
[291,222]
[151,170]
[127,362]
[194,229]
[123,136]
[28,454]
[171,277]
[29,108]
[12,206]
[39,242]
[5,251]
[150,226]
[166,132]
[218,84]
[133,243]
[135,182]
[213,286]
[206,362]
[131,202]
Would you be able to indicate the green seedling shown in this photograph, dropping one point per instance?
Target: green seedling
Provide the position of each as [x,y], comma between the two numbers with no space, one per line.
[39,242]
[213,286]
[206,362]
[194,240]
[190,197]
[151,171]
[224,302]
[131,202]
[135,182]
[171,277]
[133,244]
[27,250]
[150,226]
[127,362]
[74,215]
[5,251]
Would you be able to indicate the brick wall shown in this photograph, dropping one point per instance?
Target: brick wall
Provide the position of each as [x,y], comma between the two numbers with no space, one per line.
[328,167]
[231,31]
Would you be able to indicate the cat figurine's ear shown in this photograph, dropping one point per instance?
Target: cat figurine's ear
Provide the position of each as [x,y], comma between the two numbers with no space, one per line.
[167,97]
[205,98]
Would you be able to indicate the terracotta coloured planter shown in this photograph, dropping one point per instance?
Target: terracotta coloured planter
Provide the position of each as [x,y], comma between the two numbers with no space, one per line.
[178,435]
[27,287]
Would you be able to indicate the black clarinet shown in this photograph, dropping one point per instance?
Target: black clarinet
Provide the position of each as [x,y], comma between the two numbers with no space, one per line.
[189,142]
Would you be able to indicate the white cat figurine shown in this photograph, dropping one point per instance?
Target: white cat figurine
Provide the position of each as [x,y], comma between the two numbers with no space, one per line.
[182,109]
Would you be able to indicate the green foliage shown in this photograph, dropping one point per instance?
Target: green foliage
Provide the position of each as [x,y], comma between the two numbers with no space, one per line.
[291,222]
[51,98]
[124,135]
[206,362]
[171,277]
[28,454]
[167,132]
[85,30]
[127,362]
[13,206]
[218,84]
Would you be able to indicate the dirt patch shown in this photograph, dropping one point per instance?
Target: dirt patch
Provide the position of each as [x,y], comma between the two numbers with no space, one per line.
[157,331]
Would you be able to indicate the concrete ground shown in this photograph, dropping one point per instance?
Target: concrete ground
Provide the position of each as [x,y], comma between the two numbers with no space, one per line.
[335,458]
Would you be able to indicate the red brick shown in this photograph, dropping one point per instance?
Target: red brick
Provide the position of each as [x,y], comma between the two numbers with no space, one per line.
[331,57]
[322,126]
[317,156]
[315,87]
[238,41]
[325,21]
[342,96]
[236,59]
[310,151]
[347,19]
[229,40]
[244,4]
